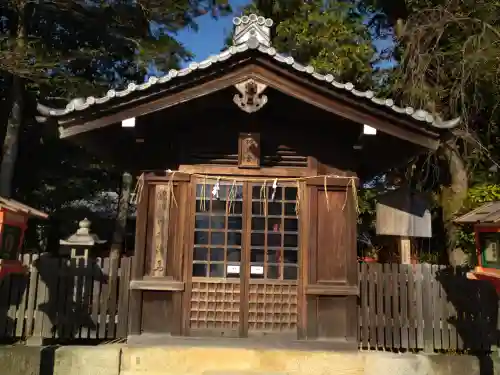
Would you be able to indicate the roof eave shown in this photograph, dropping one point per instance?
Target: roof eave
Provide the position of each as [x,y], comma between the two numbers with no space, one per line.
[84,104]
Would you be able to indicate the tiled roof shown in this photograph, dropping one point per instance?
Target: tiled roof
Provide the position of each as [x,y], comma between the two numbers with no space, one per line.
[487,213]
[251,35]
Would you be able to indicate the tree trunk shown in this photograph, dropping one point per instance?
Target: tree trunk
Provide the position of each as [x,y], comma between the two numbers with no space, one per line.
[10,143]
[120,227]
[121,216]
[15,121]
[453,198]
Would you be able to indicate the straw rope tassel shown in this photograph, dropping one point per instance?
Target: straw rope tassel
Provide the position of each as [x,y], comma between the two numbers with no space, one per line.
[298,198]
[263,198]
[231,198]
[203,204]
[354,191]
[137,193]
[171,189]
[263,191]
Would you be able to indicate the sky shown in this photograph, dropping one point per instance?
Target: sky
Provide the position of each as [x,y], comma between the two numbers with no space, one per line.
[209,39]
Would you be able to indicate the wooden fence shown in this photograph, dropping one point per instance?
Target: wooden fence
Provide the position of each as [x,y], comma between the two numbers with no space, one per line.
[425,308]
[66,300]
[420,308]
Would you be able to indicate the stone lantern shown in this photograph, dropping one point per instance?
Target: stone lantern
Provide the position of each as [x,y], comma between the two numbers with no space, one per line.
[79,244]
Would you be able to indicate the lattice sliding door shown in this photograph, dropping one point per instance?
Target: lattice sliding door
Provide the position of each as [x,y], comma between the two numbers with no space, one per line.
[245,275]
[274,260]
[215,304]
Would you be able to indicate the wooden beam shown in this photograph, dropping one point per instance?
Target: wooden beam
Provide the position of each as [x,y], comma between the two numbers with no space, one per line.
[151,177]
[217,170]
[343,182]
[159,285]
[332,290]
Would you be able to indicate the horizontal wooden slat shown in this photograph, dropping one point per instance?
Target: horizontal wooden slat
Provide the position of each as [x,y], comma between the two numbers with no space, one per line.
[332,181]
[225,170]
[165,177]
[332,290]
[163,285]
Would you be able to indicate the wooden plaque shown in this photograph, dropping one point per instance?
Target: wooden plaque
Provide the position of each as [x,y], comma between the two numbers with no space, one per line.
[249,150]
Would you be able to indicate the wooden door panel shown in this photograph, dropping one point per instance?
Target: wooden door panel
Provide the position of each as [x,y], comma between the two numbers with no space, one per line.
[263,298]
[215,308]
[332,285]
[273,261]
[216,254]
[332,317]
[332,238]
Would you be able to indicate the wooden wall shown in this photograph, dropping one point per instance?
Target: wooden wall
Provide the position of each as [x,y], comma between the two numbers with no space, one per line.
[331,288]
[328,276]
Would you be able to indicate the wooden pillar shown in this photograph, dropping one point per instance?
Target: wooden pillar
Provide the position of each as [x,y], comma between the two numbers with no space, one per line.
[157,285]
[405,249]
[135,314]
[331,286]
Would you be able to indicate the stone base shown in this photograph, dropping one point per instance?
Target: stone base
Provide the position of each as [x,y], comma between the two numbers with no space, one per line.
[237,361]
[184,360]
[243,361]
[89,360]
[22,360]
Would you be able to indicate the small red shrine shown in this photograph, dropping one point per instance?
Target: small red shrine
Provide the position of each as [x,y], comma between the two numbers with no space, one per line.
[13,223]
[486,222]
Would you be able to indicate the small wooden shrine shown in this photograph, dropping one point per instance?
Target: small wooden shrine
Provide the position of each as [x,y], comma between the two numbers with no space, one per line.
[249,163]
[486,222]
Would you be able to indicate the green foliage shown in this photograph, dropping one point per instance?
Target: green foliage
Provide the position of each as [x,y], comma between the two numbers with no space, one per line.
[70,47]
[67,48]
[367,208]
[483,193]
[448,63]
[329,35]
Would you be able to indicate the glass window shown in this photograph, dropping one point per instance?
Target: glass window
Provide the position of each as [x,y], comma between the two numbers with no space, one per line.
[274,234]
[218,226]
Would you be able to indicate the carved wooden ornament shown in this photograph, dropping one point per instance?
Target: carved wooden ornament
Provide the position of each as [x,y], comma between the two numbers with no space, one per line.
[250,98]
[249,150]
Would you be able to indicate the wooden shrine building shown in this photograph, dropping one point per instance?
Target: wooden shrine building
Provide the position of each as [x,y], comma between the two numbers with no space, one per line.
[249,163]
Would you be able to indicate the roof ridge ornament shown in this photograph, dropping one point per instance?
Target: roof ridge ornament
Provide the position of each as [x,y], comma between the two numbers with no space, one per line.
[252,30]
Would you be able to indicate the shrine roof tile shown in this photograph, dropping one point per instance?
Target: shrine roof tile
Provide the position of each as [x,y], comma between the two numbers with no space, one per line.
[248,39]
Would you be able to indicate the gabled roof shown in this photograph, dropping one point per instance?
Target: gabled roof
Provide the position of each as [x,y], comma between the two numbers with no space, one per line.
[252,33]
[486,213]
[16,206]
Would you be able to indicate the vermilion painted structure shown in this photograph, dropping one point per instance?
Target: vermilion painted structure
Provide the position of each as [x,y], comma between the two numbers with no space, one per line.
[486,221]
[13,223]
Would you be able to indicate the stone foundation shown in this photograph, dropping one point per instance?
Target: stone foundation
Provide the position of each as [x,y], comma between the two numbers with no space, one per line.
[183,360]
